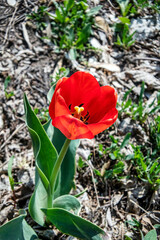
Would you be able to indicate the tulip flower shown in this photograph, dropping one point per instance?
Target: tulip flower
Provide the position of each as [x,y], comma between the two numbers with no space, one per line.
[80,108]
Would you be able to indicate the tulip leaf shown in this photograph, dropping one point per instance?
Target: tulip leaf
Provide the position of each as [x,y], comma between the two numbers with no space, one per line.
[73,225]
[38,201]
[44,151]
[151,235]
[66,175]
[45,158]
[17,229]
[67,202]
[50,93]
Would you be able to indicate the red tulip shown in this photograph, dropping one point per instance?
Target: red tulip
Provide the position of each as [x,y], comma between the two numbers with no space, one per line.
[80,108]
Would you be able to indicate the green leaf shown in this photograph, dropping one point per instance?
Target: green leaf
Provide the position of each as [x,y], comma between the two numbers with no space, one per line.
[118,168]
[66,175]
[45,157]
[44,151]
[144,166]
[154,165]
[127,238]
[59,16]
[6,82]
[151,235]
[50,93]
[127,93]
[17,229]
[72,54]
[154,109]
[11,180]
[93,11]
[123,5]
[157,226]
[38,201]
[68,4]
[124,20]
[83,37]
[68,203]
[119,42]
[73,225]
[125,140]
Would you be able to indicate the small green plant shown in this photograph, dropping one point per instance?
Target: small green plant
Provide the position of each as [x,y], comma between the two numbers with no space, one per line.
[137,227]
[6,83]
[153,5]
[147,167]
[125,7]
[42,115]
[81,163]
[40,17]
[62,72]
[116,155]
[11,180]
[138,111]
[71,23]
[129,7]
[125,39]
[155,135]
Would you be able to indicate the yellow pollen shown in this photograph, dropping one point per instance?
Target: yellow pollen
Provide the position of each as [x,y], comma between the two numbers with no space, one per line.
[78,110]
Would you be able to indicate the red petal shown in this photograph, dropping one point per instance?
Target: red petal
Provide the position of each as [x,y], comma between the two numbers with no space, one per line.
[72,127]
[105,123]
[102,104]
[79,88]
[58,105]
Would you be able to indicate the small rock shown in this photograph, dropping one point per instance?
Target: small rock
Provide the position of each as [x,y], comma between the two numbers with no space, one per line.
[125,126]
[11,2]
[25,178]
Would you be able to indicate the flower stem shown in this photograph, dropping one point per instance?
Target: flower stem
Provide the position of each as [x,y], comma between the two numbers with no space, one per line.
[58,165]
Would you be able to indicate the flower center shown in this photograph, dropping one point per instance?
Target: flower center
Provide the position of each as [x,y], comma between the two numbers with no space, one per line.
[78,111]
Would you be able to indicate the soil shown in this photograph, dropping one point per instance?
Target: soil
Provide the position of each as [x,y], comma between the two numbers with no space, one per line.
[31,65]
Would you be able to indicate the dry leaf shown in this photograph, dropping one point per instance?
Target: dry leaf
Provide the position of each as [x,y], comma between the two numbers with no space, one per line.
[109,218]
[100,21]
[109,67]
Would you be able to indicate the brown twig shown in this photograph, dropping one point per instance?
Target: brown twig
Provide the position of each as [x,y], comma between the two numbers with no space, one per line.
[95,188]
[18,129]
[10,23]
[147,58]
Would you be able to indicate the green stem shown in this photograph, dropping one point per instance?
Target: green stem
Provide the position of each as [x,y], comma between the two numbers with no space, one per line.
[50,198]
[58,165]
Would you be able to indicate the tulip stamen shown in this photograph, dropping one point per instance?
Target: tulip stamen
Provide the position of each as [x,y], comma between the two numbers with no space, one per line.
[81,105]
[78,111]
